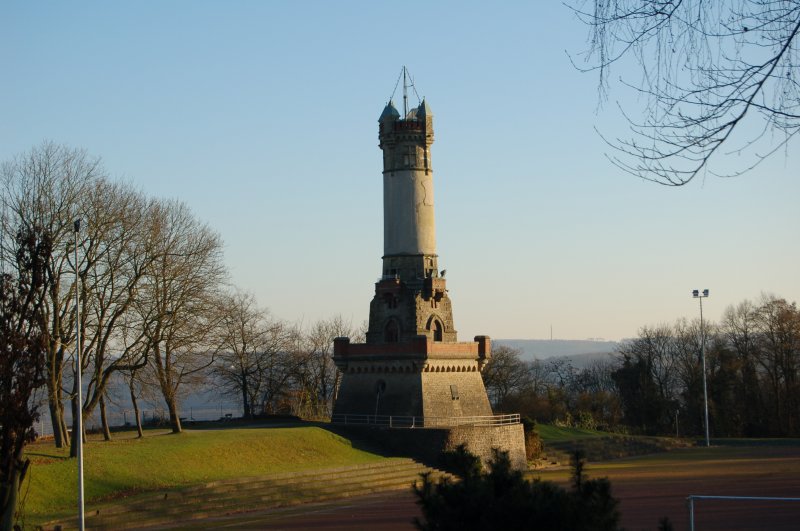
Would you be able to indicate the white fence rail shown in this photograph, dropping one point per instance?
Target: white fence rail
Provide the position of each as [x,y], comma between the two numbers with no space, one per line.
[404,421]
[690,500]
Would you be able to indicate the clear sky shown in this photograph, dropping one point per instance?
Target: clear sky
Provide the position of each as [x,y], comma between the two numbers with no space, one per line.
[262,117]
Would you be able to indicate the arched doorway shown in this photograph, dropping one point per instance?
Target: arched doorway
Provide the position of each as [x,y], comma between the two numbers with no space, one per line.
[391,332]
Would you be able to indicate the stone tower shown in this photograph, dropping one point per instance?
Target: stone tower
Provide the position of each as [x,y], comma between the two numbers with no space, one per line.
[411,363]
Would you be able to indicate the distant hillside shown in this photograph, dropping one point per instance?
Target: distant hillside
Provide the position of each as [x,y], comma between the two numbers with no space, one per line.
[579,352]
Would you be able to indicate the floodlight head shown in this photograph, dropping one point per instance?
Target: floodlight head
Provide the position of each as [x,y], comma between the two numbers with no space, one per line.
[695,293]
[705,293]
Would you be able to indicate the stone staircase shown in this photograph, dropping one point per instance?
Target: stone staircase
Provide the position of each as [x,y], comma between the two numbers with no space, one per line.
[224,497]
[551,456]
[604,448]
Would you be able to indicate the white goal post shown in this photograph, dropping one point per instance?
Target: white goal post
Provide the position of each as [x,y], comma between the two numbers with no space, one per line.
[692,497]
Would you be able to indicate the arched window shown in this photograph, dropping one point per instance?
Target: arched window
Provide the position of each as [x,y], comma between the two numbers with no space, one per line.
[435,326]
[391,334]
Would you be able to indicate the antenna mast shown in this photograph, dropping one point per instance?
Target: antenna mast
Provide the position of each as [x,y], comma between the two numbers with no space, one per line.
[405,93]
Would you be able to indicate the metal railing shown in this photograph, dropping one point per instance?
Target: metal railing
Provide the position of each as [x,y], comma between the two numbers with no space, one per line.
[690,500]
[406,421]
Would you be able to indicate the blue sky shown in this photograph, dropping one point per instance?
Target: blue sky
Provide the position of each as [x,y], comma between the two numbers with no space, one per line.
[262,117]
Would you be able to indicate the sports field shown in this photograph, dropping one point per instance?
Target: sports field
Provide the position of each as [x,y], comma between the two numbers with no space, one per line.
[649,488]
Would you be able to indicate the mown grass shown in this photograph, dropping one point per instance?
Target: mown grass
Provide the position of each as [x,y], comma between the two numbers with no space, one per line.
[162,460]
[550,433]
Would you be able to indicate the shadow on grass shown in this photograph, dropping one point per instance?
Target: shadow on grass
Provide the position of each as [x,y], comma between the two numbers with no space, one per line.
[48,456]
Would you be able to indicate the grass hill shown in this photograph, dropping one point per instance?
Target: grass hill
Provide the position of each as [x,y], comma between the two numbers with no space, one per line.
[160,460]
[125,469]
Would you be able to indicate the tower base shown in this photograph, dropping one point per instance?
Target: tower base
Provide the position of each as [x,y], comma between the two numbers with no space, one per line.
[421,378]
[427,445]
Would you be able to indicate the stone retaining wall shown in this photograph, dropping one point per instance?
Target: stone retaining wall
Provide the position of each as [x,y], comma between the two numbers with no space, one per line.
[427,444]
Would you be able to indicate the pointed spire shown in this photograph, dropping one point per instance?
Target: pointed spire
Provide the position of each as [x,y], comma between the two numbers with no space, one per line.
[389,112]
[424,109]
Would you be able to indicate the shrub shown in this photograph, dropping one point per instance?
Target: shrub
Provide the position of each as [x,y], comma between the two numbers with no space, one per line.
[503,499]
[461,462]
[533,443]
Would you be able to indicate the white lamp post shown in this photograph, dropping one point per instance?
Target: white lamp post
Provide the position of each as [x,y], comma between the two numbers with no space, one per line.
[698,295]
[78,370]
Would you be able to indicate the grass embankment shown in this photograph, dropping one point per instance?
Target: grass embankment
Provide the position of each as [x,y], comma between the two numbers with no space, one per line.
[550,433]
[162,460]
[560,443]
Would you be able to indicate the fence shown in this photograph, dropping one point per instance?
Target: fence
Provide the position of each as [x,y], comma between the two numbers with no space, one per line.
[403,421]
[690,500]
[118,417]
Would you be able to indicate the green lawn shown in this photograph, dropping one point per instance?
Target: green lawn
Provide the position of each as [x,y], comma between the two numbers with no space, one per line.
[163,460]
[551,433]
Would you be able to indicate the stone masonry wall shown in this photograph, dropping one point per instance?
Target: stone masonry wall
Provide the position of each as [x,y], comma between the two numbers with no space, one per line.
[427,444]
[401,394]
[480,440]
[438,389]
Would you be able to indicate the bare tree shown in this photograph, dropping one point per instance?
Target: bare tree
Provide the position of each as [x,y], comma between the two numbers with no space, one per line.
[179,302]
[506,373]
[740,328]
[115,249]
[44,189]
[779,342]
[318,376]
[118,249]
[716,78]
[241,365]
[647,378]
[281,362]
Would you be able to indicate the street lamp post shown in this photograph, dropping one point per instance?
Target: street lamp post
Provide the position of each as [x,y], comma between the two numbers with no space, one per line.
[698,295]
[78,370]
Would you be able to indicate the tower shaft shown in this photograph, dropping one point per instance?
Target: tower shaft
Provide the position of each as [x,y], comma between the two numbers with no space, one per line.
[411,298]
[408,213]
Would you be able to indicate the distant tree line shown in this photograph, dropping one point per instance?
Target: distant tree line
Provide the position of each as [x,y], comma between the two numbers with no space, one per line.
[653,384]
[553,390]
[753,373]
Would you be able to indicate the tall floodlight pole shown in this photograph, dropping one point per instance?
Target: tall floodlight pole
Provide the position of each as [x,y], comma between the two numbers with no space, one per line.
[78,370]
[697,295]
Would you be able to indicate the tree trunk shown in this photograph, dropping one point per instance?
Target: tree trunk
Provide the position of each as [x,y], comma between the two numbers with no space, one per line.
[248,414]
[104,419]
[60,434]
[9,489]
[76,410]
[174,419]
[9,492]
[63,422]
[136,411]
